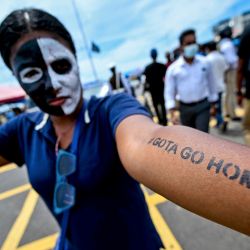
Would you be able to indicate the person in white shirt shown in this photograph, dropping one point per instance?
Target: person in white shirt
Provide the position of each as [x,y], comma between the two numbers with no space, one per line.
[229,52]
[219,67]
[191,79]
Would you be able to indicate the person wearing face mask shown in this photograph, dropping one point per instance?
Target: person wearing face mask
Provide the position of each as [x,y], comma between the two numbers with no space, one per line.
[86,158]
[191,80]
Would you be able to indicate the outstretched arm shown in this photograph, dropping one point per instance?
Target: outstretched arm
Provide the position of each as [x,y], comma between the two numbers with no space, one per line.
[204,174]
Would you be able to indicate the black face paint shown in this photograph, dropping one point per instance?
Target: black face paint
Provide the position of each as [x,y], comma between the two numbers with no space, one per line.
[40,91]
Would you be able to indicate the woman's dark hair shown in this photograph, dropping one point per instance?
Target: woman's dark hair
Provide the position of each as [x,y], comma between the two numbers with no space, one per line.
[24,21]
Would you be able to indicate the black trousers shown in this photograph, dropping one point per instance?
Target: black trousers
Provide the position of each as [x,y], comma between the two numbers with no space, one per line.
[159,106]
[196,115]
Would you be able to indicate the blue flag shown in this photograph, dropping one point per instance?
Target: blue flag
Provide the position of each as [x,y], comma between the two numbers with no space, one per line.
[95,47]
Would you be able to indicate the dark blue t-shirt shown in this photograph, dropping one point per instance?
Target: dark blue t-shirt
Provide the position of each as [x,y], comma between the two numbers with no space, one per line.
[110,211]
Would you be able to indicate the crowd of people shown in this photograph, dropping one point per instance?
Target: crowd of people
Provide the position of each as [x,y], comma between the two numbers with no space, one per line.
[87,158]
[198,82]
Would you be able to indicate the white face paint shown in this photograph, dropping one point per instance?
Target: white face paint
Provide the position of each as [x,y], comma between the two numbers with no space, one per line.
[31,75]
[63,71]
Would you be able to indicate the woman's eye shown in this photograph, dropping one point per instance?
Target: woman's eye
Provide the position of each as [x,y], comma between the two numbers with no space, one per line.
[30,75]
[62,66]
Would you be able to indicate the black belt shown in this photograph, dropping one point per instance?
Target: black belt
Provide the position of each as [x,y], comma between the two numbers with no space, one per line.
[193,103]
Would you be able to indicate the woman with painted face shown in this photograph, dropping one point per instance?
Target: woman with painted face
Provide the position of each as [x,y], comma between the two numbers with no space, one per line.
[97,204]
[85,159]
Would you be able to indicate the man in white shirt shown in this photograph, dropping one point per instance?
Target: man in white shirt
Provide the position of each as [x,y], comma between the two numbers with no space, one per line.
[228,50]
[191,79]
[219,67]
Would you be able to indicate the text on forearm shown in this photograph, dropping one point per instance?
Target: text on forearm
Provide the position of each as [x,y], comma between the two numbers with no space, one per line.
[230,170]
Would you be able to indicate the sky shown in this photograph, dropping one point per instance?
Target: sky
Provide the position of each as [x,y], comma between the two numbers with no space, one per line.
[126,30]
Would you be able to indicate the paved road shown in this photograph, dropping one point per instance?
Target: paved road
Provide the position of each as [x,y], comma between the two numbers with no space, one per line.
[25,223]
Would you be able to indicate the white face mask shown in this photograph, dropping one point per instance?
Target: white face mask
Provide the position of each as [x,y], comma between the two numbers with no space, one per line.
[190,50]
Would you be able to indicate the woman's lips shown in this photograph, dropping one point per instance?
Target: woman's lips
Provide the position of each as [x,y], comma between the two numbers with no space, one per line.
[58,101]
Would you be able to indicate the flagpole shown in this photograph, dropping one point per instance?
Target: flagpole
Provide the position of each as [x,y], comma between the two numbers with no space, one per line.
[79,22]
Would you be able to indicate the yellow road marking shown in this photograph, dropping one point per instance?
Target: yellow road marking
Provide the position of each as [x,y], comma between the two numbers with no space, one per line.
[15,235]
[8,167]
[164,231]
[20,225]
[14,191]
[41,244]
[156,199]
[167,237]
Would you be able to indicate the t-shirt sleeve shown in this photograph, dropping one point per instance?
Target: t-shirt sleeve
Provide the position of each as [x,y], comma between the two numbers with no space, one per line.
[9,143]
[122,105]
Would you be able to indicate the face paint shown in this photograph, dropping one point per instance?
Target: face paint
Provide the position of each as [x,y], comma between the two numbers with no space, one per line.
[48,72]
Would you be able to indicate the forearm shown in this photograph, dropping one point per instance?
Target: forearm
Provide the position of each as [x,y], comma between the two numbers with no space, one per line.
[201,173]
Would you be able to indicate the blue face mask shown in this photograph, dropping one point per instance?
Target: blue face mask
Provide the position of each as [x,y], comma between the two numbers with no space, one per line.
[190,50]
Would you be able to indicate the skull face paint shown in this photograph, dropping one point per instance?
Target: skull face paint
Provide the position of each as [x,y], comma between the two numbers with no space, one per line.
[48,72]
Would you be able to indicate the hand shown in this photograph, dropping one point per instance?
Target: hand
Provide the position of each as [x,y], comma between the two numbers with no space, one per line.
[174,118]
[213,110]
